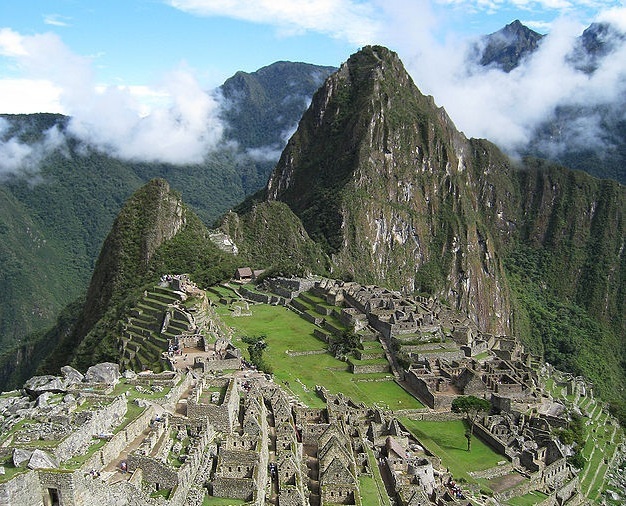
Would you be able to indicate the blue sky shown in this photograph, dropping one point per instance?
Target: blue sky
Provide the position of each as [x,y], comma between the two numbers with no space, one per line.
[109,61]
[137,42]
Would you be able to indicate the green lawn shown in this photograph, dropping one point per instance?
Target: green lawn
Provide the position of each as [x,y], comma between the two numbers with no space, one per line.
[209,500]
[285,331]
[528,499]
[369,491]
[447,441]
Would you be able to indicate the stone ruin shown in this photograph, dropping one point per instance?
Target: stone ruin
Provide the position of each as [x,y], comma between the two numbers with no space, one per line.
[170,438]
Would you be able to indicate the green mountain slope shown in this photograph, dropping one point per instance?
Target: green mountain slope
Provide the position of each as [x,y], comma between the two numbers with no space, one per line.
[155,233]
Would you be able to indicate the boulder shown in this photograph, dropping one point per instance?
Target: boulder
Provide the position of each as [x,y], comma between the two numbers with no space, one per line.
[128,374]
[71,375]
[21,456]
[42,400]
[106,372]
[40,384]
[42,460]
[69,399]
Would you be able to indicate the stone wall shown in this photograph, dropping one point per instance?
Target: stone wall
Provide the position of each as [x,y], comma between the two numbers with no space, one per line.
[119,441]
[62,482]
[436,416]
[368,368]
[189,470]
[23,490]
[101,421]
[237,488]
[220,416]
[491,440]
[154,471]
[446,354]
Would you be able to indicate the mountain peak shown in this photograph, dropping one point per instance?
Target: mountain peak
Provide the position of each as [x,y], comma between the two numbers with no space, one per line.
[508,46]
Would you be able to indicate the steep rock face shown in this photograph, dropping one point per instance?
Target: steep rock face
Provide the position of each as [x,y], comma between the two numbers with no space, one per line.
[380,176]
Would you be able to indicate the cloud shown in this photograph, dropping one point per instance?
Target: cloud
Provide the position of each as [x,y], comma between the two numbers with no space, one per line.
[19,158]
[507,108]
[56,20]
[350,20]
[174,121]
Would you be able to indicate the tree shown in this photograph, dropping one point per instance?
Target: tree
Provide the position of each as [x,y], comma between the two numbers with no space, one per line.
[347,343]
[256,346]
[471,406]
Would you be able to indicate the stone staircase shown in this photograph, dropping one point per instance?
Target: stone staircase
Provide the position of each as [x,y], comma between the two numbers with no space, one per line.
[151,324]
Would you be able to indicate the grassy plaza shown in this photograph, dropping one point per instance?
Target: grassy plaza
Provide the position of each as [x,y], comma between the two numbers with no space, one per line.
[288,337]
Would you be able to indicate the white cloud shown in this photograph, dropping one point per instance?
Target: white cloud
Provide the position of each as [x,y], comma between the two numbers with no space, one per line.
[508,107]
[616,16]
[175,121]
[29,96]
[19,158]
[350,20]
[56,20]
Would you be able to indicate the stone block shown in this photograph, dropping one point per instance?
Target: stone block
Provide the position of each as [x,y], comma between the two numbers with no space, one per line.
[41,460]
[21,456]
[106,372]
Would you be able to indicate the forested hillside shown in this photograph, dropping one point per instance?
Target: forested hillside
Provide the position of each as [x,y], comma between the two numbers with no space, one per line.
[56,212]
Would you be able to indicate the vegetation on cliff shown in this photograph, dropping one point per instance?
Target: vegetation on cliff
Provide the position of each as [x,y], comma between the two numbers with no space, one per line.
[385,184]
[154,234]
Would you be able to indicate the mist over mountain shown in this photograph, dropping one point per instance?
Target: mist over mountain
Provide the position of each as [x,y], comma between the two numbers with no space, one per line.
[583,126]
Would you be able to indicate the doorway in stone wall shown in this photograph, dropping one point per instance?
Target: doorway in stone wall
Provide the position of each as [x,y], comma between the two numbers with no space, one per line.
[51,497]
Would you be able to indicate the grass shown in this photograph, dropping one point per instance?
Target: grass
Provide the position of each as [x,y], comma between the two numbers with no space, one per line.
[447,441]
[285,331]
[528,499]
[79,460]
[10,471]
[379,487]
[210,500]
[369,491]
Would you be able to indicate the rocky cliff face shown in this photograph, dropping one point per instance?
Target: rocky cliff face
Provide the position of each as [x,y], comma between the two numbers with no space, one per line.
[381,176]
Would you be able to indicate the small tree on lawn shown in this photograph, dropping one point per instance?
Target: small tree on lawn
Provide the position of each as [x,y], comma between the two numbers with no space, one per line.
[472,407]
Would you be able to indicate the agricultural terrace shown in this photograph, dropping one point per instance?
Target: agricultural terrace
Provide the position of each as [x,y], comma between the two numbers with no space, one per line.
[300,360]
[602,437]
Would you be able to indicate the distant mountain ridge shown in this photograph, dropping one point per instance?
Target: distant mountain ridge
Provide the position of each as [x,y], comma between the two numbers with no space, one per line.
[507,47]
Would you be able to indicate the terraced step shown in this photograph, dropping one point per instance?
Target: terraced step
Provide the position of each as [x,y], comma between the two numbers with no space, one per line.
[164,298]
[178,325]
[149,310]
[139,331]
[156,304]
[370,354]
[164,290]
